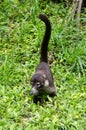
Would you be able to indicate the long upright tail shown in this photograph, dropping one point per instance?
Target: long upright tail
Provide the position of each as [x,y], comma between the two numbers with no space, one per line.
[44,46]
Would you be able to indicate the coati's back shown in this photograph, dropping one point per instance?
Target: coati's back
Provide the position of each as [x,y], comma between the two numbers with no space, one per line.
[42,81]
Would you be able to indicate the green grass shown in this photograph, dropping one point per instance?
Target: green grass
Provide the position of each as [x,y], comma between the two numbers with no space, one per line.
[20,34]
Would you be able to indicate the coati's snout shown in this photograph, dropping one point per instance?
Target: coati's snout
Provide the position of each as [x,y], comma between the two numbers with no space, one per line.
[34,91]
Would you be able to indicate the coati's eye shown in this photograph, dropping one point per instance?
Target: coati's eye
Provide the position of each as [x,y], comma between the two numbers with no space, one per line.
[38,84]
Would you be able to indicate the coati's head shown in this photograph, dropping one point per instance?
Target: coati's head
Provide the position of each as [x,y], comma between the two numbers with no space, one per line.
[39,83]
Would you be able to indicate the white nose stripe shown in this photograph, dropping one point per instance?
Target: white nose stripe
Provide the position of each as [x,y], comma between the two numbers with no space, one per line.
[34,91]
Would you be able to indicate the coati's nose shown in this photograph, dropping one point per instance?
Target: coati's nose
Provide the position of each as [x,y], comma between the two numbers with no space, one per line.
[31,92]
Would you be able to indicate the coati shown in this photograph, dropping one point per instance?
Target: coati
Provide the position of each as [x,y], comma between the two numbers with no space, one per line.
[42,81]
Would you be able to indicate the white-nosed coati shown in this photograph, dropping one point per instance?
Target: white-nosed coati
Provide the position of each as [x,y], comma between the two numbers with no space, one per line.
[42,81]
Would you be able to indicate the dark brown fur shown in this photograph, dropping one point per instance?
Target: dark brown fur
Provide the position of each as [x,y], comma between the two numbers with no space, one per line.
[42,81]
